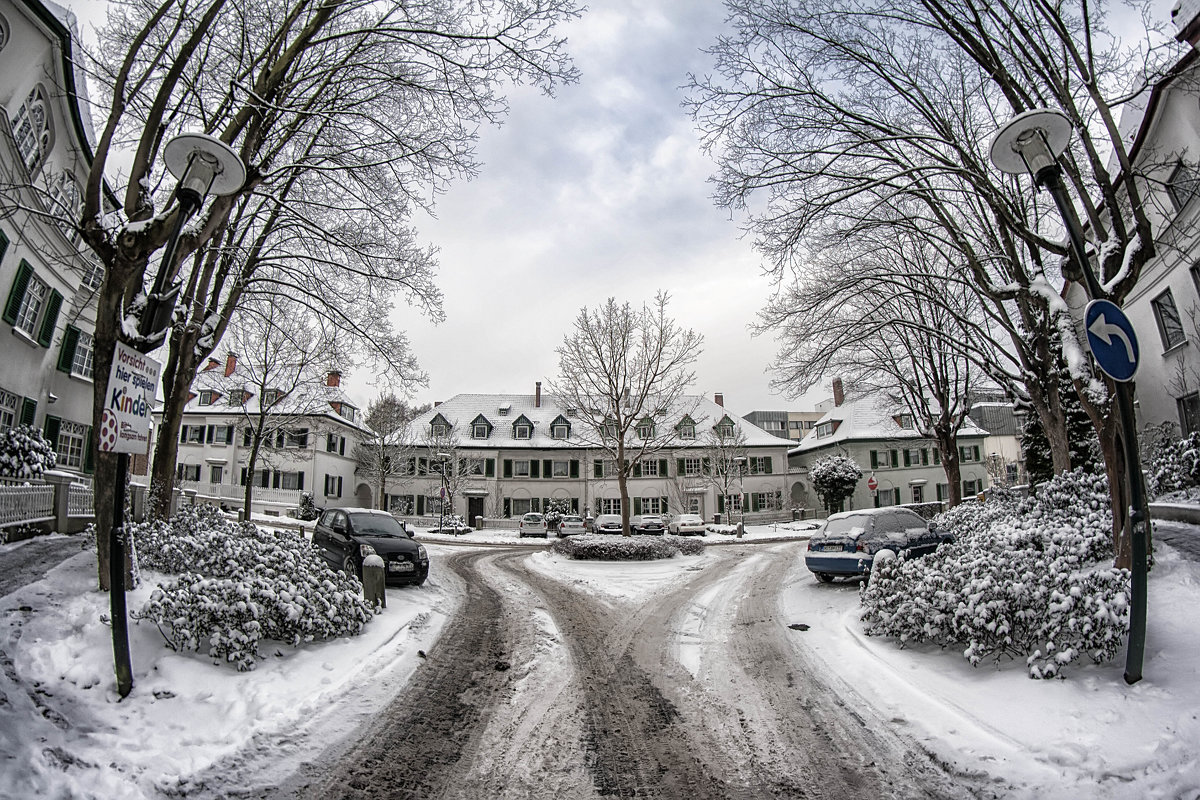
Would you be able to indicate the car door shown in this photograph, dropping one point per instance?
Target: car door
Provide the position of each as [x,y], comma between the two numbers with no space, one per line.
[339,545]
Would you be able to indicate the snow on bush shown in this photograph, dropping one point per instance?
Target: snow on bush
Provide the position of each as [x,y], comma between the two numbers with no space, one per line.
[1026,578]
[834,478]
[601,547]
[1172,465]
[25,453]
[239,585]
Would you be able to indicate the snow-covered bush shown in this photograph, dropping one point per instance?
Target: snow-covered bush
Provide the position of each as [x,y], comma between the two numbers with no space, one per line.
[1026,578]
[25,453]
[599,547]
[239,584]
[834,479]
[308,509]
[1172,465]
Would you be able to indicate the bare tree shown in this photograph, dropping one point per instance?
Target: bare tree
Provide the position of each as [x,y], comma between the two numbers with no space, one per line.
[723,461]
[278,384]
[834,110]
[456,471]
[625,372]
[346,113]
[385,451]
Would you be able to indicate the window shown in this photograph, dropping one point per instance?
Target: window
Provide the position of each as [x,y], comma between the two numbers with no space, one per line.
[968,453]
[886,497]
[520,506]
[32,131]
[693,466]
[331,443]
[760,465]
[290,480]
[824,429]
[972,488]
[649,470]
[520,469]
[918,493]
[193,434]
[1170,326]
[30,308]
[3,32]
[943,491]
[560,469]
[653,505]
[215,473]
[915,456]
[93,275]
[905,421]
[207,397]
[687,431]
[272,396]
[883,459]
[473,466]
[559,431]
[1189,413]
[610,505]
[333,485]
[1183,185]
[81,364]
[65,202]
[348,411]
[796,424]
[772,425]
[71,437]
[222,434]
[523,432]
[731,502]
[9,403]
[479,430]
[725,429]
[645,430]
[297,438]
[188,472]
[439,429]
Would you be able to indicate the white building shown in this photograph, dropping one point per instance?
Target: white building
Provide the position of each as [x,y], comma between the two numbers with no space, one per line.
[47,276]
[521,452]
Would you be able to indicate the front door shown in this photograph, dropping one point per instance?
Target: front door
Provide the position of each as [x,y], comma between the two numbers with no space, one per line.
[474,509]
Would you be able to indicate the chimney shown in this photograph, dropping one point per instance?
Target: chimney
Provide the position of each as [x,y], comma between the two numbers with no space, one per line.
[333,378]
[839,396]
[719,399]
[537,395]
[230,363]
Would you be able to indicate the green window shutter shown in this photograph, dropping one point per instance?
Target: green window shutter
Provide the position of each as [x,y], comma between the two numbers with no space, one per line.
[575,470]
[907,458]
[50,430]
[975,449]
[183,433]
[46,332]
[895,459]
[707,467]
[3,244]
[545,503]
[768,465]
[17,292]
[679,467]
[547,470]
[508,467]
[228,434]
[663,503]
[420,505]
[300,481]
[266,479]
[89,452]
[535,504]
[663,467]
[534,468]
[507,507]
[637,469]
[924,457]
[275,479]
[720,504]
[66,353]
[937,458]
[575,505]
[637,505]
[489,468]
[208,433]
[874,459]
[598,468]
[28,411]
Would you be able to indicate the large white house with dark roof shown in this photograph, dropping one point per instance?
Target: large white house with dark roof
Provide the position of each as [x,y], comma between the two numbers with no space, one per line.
[515,453]
[882,439]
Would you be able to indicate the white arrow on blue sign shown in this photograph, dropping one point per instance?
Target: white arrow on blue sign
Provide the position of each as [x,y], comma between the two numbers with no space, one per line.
[1112,340]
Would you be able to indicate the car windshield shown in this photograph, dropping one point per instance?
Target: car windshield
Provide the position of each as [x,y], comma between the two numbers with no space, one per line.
[690,518]
[846,526]
[532,518]
[377,525]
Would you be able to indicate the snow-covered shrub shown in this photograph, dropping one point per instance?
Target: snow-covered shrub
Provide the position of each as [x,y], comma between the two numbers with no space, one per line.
[239,584]
[25,453]
[1172,464]
[600,547]
[1026,578]
[834,479]
[308,509]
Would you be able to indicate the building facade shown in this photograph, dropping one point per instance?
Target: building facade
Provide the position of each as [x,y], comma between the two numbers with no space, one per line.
[47,276]
[794,425]
[507,455]
[306,448]
[883,440]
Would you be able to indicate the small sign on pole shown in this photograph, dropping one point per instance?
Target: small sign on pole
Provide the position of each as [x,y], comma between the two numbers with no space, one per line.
[132,385]
[872,484]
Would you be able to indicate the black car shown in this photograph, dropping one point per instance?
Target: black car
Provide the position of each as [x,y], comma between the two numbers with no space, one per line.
[346,536]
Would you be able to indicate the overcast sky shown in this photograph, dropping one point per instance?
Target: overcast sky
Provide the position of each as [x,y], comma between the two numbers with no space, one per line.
[600,191]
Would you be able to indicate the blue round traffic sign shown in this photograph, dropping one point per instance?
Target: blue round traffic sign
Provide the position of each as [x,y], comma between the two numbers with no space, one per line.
[1111,339]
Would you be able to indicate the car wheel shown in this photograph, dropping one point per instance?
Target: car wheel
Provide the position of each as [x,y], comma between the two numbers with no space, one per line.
[823,577]
[350,568]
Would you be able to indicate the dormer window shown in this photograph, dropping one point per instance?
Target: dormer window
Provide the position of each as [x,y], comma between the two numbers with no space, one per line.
[645,429]
[207,397]
[522,431]
[272,396]
[686,428]
[560,431]
[439,429]
[905,421]
[824,429]
[724,427]
[479,430]
[503,410]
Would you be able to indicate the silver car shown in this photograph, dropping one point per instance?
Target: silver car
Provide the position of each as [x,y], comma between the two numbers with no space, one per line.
[687,525]
[847,543]
[608,523]
[571,525]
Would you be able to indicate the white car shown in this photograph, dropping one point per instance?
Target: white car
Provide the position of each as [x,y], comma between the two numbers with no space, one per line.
[687,525]
[571,525]
[532,524]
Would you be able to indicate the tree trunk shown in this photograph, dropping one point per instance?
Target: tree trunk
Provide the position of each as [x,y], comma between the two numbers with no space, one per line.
[1112,447]
[177,385]
[948,444]
[251,463]
[1047,404]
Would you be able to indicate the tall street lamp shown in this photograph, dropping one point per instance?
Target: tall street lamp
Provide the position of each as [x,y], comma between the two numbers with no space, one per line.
[443,460]
[1031,143]
[741,467]
[203,165]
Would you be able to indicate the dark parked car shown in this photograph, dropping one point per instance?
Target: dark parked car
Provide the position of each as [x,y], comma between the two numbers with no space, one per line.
[346,536]
[847,543]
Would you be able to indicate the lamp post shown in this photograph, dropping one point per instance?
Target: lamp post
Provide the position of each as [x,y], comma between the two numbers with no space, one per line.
[203,165]
[1031,143]
[443,460]
[741,465]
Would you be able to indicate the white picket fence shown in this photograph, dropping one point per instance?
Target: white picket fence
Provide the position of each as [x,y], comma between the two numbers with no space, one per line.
[26,504]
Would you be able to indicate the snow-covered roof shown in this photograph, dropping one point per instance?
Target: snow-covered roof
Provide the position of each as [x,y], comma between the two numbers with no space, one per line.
[870,418]
[462,410]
